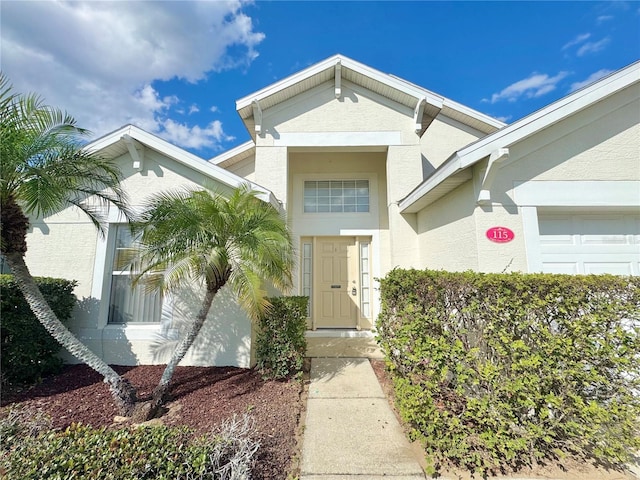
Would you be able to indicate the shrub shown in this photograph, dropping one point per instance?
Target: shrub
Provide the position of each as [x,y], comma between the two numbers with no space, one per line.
[28,350]
[511,369]
[146,452]
[281,342]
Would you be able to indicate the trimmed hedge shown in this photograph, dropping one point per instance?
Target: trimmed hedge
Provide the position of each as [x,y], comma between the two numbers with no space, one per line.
[281,342]
[151,452]
[28,350]
[494,370]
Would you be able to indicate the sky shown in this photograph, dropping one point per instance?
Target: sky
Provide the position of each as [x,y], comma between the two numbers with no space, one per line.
[176,69]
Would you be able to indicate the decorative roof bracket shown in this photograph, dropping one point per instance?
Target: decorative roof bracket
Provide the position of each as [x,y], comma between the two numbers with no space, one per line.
[418,112]
[338,79]
[136,150]
[495,159]
[257,115]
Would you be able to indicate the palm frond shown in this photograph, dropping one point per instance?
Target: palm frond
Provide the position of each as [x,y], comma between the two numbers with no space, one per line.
[206,236]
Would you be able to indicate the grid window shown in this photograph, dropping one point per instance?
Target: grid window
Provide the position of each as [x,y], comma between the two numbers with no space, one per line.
[336,196]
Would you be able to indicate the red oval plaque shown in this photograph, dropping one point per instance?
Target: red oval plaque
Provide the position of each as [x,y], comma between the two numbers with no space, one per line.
[500,234]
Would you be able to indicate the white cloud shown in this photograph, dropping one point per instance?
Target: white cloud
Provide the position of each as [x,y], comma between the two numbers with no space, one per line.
[193,109]
[604,18]
[535,85]
[590,79]
[98,60]
[576,41]
[194,137]
[593,47]
[214,109]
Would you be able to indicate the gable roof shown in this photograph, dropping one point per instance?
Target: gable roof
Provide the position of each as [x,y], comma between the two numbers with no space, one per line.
[118,143]
[453,172]
[339,67]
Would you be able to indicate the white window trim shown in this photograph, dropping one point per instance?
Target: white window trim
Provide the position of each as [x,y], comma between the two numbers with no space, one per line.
[101,284]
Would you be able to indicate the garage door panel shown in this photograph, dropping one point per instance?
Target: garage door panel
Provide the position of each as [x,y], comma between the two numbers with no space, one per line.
[604,267]
[560,267]
[590,243]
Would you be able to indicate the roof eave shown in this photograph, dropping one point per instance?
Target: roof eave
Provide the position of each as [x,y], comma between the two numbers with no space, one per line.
[468,156]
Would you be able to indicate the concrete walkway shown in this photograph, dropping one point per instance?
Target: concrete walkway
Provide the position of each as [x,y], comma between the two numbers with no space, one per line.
[350,430]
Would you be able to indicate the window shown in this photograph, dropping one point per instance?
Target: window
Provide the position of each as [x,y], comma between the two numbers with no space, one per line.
[127,304]
[343,196]
[307,272]
[365,281]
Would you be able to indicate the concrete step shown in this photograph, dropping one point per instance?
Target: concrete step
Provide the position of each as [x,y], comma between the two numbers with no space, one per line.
[342,344]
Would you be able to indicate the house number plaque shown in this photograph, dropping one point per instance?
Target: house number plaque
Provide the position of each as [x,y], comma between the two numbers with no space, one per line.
[500,234]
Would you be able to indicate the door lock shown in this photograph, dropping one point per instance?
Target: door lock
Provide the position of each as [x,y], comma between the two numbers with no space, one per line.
[353,291]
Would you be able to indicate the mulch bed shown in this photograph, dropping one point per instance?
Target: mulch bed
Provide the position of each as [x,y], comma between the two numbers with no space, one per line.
[201,398]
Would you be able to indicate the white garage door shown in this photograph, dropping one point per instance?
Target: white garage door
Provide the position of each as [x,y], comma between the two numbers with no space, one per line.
[589,243]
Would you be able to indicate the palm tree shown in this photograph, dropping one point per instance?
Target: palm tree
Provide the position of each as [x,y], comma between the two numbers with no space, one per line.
[214,240]
[45,170]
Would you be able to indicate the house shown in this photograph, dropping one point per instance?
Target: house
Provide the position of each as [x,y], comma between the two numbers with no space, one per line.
[373,173]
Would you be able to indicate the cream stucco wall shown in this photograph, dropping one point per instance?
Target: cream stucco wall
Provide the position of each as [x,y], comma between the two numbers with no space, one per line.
[600,143]
[357,110]
[67,245]
[443,137]
[447,227]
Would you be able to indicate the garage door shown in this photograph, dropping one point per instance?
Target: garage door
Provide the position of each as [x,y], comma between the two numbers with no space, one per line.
[589,243]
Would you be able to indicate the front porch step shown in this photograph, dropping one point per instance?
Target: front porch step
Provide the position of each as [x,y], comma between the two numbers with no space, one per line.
[342,344]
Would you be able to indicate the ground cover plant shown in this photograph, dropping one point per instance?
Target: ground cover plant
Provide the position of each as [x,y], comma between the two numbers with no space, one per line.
[202,399]
[493,371]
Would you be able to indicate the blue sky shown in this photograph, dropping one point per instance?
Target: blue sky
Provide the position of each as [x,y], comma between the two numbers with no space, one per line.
[177,68]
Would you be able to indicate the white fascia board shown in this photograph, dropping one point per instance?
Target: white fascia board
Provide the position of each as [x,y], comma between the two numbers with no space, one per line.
[549,115]
[178,154]
[288,81]
[229,154]
[494,122]
[108,139]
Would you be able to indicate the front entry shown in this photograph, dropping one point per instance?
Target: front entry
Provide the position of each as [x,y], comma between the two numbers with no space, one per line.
[336,282]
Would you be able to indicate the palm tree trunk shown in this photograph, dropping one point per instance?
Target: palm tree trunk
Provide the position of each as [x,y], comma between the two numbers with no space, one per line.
[160,392]
[123,392]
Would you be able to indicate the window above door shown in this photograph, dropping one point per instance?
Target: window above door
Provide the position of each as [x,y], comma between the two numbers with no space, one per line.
[336,196]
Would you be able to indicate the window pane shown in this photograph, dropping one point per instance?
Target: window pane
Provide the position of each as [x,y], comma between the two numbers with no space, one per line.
[127,304]
[133,305]
[336,196]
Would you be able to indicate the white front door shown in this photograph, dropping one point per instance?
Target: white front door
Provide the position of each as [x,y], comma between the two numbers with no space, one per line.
[336,283]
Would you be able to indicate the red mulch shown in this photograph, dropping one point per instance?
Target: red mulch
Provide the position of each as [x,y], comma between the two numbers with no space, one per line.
[201,398]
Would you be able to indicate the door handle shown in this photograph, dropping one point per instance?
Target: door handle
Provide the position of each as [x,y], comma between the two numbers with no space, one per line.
[353,291]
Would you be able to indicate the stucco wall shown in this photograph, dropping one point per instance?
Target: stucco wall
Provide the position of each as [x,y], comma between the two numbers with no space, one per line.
[444,137]
[357,110]
[66,245]
[447,227]
[601,144]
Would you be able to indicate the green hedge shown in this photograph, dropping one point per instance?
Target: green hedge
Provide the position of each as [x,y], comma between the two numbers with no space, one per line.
[146,452]
[28,350]
[281,342]
[511,369]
